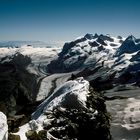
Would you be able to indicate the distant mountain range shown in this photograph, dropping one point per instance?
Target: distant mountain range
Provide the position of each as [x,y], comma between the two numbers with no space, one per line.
[17,44]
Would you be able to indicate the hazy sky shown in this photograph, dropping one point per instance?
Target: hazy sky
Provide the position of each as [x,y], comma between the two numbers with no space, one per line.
[63,20]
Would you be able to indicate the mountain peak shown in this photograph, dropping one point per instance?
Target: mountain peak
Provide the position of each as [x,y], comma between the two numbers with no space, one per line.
[105,37]
[130,38]
[130,45]
[89,36]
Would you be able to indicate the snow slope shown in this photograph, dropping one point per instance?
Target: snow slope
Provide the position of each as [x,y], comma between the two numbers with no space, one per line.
[71,94]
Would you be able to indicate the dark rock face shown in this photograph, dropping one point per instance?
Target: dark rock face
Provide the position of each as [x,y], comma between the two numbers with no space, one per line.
[101,41]
[113,45]
[136,57]
[33,135]
[90,36]
[101,48]
[16,83]
[15,122]
[97,77]
[130,75]
[119,37]
[58,66]
[13,137]
[93,44]
[105,37]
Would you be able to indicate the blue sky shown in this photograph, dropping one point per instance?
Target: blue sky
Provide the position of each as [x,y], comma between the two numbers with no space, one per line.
[63,20]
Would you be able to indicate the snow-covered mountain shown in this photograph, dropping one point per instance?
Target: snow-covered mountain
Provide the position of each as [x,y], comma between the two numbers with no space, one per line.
[85,51]
[103,56]
[109,64]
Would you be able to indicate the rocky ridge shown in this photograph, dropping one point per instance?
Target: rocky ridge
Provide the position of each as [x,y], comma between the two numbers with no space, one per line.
[59,118]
